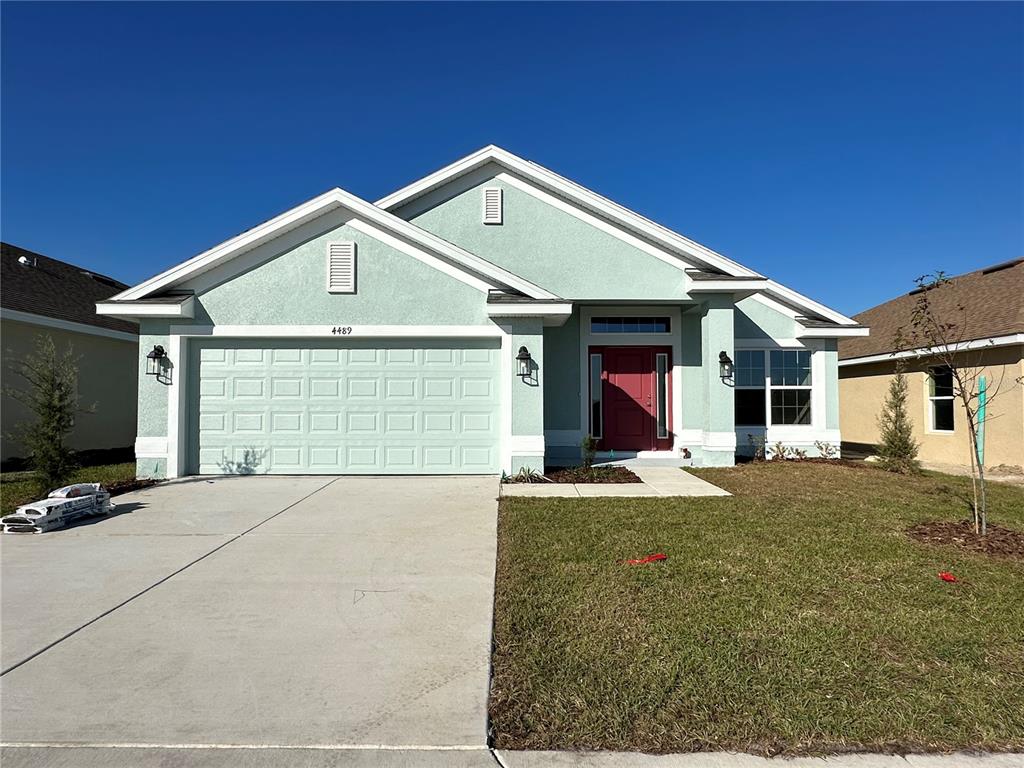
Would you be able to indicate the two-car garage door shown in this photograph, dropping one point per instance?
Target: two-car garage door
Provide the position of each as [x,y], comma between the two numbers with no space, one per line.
[344,406]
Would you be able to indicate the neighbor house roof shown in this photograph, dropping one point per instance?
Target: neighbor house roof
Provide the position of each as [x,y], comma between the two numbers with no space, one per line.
[993,298]
[34,284]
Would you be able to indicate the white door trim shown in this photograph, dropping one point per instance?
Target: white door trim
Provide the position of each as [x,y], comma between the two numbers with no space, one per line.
[673,339]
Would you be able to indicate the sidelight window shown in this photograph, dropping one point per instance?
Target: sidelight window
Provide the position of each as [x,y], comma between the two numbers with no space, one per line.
[596,425]
[661,365]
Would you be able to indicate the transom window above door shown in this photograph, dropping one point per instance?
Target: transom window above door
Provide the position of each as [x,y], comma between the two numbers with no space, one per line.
[630,325]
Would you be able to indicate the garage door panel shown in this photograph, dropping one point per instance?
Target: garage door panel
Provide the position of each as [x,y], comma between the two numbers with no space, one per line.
[351,407]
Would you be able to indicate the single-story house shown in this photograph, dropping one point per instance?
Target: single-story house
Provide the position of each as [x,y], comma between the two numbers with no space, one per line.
[40,295]
[484,318]
[987,309]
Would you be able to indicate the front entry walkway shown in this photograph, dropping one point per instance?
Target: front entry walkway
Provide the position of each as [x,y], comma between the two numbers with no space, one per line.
[657,481]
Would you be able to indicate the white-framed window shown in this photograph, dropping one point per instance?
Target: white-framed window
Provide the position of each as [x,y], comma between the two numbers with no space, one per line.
[492,205]
[596,404]
[341,267]
[630,324]
[749,383]
[940,399]
[772,387]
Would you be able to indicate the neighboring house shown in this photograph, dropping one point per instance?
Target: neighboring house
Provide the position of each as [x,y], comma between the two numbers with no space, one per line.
[483,319]
[992,317]
[40,295]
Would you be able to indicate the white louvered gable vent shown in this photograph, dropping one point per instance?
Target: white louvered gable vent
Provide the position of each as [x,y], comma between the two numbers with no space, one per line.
[341,267]
[492,205]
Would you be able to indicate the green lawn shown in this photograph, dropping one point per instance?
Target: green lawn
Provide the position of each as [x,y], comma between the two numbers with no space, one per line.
[18,488]
[795,616]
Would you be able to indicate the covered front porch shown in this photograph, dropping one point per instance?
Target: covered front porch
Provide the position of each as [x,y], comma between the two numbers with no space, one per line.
[693,383]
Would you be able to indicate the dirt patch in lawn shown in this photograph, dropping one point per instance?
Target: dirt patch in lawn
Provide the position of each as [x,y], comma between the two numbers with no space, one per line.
[127,486]
[998,542]
[592,475]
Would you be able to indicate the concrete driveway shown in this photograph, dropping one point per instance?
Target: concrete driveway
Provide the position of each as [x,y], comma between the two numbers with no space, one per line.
[288,611]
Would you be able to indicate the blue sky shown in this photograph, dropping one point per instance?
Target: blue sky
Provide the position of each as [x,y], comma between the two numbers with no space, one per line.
[842,149]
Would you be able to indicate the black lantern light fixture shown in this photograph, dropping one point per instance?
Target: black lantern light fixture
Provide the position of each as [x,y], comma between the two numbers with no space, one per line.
[154,360]
[724,365]
[524,360]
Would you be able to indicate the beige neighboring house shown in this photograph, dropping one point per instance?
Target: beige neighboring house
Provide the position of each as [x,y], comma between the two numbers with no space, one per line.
[994,320]
[40,295]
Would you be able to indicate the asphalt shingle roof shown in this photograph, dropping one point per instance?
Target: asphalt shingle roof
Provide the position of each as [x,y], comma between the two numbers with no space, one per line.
[56,289]
[993,297]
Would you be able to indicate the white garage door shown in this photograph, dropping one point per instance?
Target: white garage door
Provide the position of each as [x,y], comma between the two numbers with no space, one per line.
[345,407]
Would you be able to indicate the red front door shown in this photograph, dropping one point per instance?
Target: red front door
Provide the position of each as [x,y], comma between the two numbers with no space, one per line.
[634,398]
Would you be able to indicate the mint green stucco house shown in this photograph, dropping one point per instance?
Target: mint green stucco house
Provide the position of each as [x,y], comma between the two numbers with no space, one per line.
[482,319]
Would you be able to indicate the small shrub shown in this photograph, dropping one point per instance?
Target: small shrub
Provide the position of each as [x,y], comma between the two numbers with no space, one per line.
[826,450]
[777,452]
[757,443]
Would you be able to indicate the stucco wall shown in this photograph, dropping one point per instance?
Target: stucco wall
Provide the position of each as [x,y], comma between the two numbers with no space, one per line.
[286,284]
[551,247]
[863,389]
[107,378]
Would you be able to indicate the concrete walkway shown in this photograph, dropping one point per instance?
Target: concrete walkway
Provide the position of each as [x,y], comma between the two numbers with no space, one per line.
[656,481]
[475,757]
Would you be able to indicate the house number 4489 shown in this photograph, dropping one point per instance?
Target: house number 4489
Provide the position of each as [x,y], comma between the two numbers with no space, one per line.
[341,330]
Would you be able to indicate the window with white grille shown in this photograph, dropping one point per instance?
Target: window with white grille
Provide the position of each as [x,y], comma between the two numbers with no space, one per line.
[492,205]
[341,267]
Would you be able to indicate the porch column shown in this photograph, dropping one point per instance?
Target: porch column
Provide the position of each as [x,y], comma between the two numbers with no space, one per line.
[525,448]
[717,335]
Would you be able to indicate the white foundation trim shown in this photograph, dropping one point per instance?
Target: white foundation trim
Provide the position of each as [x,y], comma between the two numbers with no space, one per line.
[65,325]
[992,341]
[719,441]
[151,447]
[328,331]
[526,444]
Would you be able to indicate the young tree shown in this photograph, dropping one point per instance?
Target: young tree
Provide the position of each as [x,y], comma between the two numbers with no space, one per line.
[51,394]
[897,450]
[939,331]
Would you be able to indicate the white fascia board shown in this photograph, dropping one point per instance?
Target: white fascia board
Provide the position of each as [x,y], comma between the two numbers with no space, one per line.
[185,309]
[727,286]
[552,314]
[572,191]
[65,325]
[831,333]
[966,346]
[788,294]
[310,210]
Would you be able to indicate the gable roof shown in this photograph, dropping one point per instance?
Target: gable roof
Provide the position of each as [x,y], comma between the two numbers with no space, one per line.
[619,215]
[311,209]
[56,289]
[991,296]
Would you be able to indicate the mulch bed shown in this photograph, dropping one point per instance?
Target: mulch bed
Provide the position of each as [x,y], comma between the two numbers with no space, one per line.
[592,475]
[998,542]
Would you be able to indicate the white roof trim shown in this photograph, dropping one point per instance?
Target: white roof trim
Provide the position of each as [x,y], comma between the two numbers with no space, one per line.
[783,293]
[573,191]
[184,308]
[595,203]
[965,346]
[834,332]
[310,210]
[45,321]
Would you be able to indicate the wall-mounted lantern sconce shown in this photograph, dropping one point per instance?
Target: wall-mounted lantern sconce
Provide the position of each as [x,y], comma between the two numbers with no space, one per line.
[724,365]
[154,361]
[524,363]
